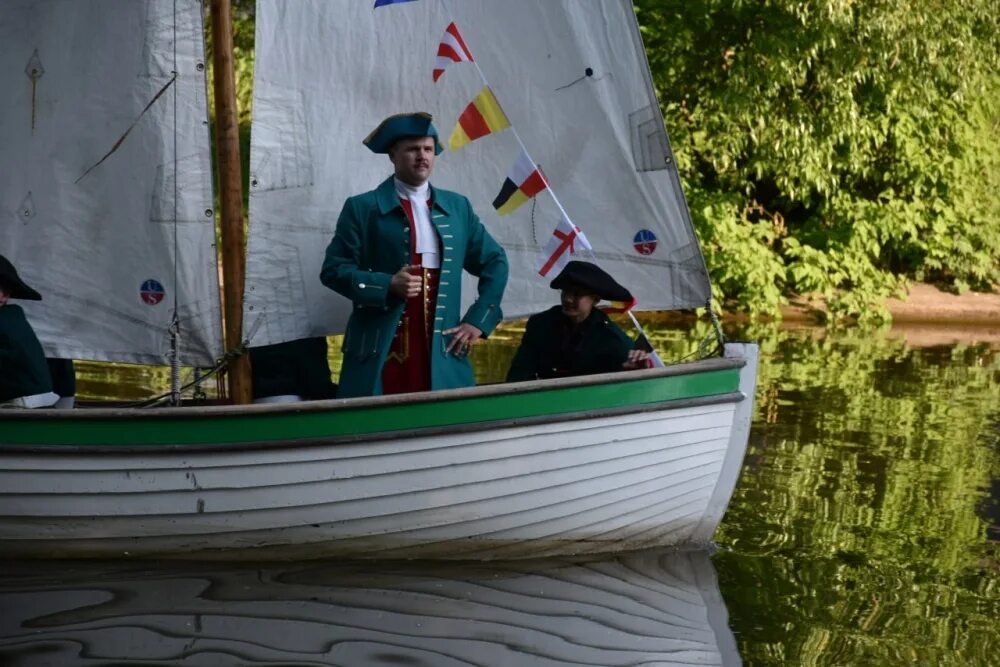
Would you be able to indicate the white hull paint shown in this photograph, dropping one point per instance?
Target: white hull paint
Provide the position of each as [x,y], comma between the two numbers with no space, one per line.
[641,609]
[610,483]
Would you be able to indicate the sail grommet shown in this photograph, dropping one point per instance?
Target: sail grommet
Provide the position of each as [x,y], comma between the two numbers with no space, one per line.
[27,208]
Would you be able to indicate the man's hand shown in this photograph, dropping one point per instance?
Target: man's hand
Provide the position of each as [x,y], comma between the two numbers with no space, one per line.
[636,359]
[405,284]
[465,335]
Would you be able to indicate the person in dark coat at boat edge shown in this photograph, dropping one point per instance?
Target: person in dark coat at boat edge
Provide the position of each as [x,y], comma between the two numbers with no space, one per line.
[575,337]
[398,253]
[24,373]
[63,375]
[296,370]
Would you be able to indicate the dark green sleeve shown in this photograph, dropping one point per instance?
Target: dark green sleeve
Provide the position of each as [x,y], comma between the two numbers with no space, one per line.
[526,359]
[617,345]
[342,271]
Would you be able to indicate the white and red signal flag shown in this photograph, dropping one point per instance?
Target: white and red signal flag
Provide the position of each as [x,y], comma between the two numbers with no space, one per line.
[452,49]
[567,240]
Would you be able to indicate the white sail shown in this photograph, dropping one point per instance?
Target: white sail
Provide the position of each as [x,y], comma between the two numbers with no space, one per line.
[94,181]
[572,78]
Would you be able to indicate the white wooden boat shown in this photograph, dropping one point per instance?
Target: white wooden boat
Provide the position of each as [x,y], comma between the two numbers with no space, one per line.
[577,466]
[644,609]
[574,466]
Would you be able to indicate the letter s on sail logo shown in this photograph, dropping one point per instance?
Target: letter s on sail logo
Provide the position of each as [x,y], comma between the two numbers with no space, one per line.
[644,242]
[152,292]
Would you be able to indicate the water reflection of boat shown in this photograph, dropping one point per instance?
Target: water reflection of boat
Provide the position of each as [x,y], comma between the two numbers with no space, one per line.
[641,609]
[559,466]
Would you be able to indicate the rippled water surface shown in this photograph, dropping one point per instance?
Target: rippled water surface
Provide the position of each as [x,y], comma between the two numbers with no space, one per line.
[863,531]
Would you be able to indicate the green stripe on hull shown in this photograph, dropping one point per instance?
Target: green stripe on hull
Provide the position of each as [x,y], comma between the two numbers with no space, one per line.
[311,424]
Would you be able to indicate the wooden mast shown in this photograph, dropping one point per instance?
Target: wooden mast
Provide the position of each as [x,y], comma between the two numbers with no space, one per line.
[227,143]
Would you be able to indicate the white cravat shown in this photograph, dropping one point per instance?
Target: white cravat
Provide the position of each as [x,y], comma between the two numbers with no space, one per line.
[427,238]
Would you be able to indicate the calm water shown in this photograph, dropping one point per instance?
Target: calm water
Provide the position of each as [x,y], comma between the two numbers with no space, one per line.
[863,531]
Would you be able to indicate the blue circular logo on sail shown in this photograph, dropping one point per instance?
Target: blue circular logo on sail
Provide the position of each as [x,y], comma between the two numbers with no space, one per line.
[644,242]
[152,292]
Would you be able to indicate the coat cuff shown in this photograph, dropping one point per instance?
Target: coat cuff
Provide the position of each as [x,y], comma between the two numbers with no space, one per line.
[484,316]
[370,288]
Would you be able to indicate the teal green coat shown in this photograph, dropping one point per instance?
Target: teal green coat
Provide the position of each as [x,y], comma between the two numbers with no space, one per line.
[23,370]
[370,244]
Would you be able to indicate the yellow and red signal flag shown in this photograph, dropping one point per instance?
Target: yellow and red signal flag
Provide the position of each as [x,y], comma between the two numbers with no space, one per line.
[483,116]
[524,181]
[452,49]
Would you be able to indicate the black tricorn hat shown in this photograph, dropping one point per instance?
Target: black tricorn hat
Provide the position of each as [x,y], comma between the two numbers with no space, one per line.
[591,278]
[12,281]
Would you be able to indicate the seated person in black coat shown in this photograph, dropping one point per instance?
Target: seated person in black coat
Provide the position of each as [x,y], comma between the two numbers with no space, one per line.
[24,375]
[575,338]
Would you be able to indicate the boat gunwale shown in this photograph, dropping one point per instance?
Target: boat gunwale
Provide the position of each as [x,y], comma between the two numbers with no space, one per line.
[369,402]
[378,436]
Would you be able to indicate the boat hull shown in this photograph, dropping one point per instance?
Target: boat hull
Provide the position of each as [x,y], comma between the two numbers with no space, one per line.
[593,465]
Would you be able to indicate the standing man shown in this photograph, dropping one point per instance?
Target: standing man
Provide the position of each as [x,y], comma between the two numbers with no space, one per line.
[398,253]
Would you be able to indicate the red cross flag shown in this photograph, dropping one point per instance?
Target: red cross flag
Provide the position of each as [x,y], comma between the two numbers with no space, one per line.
[567,240]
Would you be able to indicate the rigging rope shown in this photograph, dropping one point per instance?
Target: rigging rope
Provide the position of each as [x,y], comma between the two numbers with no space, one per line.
[175,324]
[705,347]
[221,364]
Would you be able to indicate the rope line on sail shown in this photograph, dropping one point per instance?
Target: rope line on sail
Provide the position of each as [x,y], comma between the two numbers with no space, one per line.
[587,74]
[121,139]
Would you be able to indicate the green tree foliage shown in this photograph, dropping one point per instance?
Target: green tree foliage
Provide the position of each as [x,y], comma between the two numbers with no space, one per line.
[244,24]
[244,27]
[834,147]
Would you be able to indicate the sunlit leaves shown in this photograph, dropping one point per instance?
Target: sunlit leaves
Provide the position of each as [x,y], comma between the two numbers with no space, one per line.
[871,129]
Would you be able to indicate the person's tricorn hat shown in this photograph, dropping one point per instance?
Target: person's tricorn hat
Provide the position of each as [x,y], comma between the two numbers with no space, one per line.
[12,282]
[401,126]
[594,279]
